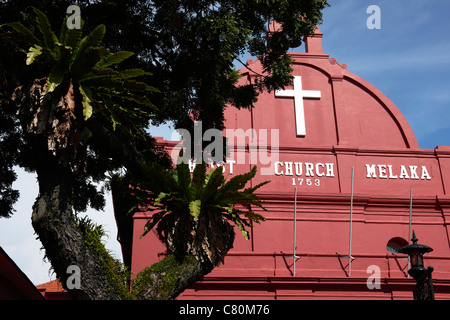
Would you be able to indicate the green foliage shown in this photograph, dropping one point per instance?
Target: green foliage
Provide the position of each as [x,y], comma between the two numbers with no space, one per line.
[192,213]
[88,64]
[194,46]
[9,142]
[119,276]
[91,232]
[204,193]
[106,130]
[168,271]
[189,47]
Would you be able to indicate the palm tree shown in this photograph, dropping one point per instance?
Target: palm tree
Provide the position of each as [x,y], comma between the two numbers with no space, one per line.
[192,215]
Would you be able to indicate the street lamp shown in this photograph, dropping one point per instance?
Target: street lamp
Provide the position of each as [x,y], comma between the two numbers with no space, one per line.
[424,288]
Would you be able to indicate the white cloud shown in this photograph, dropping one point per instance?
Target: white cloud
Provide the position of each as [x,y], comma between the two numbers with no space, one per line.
[17,235]
[18,238]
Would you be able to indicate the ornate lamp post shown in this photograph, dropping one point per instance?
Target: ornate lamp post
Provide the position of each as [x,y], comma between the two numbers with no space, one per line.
[424,288]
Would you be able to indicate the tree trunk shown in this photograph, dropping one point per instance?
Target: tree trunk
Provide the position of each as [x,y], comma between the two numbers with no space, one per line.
[54,223]
[50,124]
[208,240]
[64,246]
[166,279]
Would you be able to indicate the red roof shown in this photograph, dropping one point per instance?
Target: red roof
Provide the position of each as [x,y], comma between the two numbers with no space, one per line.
[14,284]
[53,290]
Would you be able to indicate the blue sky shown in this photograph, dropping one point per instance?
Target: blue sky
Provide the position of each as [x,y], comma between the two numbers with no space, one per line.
[408,59]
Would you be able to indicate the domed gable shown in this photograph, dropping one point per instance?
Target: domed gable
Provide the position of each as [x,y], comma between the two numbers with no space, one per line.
[327,106]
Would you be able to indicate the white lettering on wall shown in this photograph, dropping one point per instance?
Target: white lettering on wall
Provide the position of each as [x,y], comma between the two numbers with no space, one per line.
[382,171]
[309,169]
[320,170]
[212,165]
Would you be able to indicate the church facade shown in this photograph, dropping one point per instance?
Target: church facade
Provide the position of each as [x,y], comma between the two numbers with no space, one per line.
[349,184]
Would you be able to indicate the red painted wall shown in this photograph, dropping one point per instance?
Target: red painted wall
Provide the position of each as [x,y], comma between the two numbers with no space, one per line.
[351,125]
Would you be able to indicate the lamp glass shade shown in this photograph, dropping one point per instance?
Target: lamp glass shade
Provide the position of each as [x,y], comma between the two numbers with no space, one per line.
[416,259]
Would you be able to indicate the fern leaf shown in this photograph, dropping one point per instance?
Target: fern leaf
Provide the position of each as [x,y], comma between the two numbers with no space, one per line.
[138,86]
[48,36]
[238,182]
[215,180]
[63,31]
[152,222]
[252,189]
[93,39]
[53,81]
[110,74]
[130,73]
[34,51]
[113,58]
[72,37]
[184,179]
[198,179]
[87,100]
[195,208]
[59,71]
[144,101]
[85,61]
[24,32]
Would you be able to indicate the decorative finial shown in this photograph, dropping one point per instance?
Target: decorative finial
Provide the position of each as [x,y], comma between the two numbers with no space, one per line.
[414,238]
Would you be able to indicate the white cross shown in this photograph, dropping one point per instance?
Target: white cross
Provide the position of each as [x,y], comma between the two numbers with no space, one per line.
[298,94]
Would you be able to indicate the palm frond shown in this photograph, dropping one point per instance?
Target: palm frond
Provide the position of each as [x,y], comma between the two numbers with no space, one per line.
[93,39]
[115,94]
[48,38]
[25,34]
[87,102]
[113,58]
[33,52]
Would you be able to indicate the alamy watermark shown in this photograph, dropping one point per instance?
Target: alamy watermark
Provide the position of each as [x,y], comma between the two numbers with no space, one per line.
[374,280]
[74,20]
[262,146]
[74,280]
[374,20]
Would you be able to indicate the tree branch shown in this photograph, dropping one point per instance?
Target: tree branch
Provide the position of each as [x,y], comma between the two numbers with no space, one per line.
[169,277]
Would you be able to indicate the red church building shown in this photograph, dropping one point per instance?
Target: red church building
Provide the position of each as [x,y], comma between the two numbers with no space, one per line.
[349,184]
